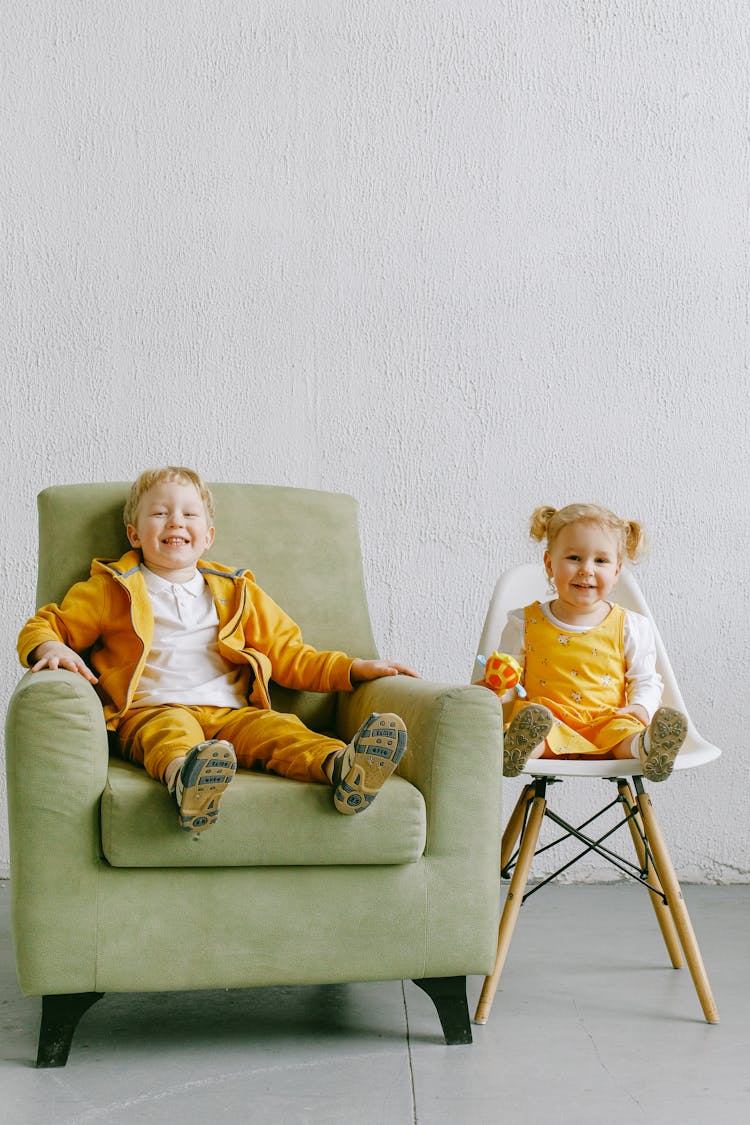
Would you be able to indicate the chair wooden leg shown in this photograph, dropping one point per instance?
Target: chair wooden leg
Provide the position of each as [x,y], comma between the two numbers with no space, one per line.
[661,909]
[514,826]
[513,902]
[677,905]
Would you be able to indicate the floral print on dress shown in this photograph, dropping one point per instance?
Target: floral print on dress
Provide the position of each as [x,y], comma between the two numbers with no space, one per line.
[584,678]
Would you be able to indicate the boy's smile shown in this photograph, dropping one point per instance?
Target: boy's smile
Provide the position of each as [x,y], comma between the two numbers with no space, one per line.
[172,529]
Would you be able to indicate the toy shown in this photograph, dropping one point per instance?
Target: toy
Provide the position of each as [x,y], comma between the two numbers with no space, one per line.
[502,672]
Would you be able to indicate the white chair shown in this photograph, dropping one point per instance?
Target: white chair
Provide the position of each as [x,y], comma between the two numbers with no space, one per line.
[522,586]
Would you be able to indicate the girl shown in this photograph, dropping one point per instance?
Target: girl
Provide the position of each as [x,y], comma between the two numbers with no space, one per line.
[592,689]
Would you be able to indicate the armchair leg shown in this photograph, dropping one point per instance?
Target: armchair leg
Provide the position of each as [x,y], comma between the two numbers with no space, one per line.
[60,1016]
[448,994]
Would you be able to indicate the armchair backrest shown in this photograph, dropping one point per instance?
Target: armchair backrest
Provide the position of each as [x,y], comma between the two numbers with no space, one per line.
[302,546]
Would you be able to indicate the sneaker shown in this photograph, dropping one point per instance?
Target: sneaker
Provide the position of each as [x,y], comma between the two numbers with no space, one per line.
[207,770]
[527,729]
[367,762]
[666,734]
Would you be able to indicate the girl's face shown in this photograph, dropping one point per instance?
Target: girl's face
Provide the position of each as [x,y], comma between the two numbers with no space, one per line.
[584,564]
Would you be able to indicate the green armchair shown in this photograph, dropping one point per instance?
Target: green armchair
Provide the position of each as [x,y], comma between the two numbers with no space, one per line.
[107,895]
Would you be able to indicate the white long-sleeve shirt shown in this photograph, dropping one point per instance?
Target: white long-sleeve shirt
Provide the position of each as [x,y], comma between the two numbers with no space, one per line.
[644,685]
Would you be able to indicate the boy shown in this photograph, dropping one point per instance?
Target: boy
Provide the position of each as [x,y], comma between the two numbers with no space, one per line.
[183,651]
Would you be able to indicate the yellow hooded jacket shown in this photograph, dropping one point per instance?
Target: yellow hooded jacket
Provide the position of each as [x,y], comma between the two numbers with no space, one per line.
[110,614]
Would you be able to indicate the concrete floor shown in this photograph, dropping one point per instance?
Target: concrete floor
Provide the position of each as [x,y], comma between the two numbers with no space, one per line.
[591,1025]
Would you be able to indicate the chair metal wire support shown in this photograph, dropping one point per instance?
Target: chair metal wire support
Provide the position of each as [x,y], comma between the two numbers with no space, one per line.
[639,873]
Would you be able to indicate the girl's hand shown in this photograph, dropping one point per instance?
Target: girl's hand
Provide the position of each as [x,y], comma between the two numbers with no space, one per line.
[636,711]
[373,669]
[54,655]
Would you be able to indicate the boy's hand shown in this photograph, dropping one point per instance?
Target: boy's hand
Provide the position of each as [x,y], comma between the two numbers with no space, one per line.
[373,669]
[54,654]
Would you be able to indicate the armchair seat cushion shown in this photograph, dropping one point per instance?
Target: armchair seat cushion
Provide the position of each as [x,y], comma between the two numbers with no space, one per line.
[139,825]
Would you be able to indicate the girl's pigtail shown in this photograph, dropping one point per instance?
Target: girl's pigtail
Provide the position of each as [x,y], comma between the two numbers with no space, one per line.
[635,540]
[540,520]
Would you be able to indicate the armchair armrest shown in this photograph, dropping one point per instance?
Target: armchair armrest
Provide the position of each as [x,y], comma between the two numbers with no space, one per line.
[56,762]
[454,756]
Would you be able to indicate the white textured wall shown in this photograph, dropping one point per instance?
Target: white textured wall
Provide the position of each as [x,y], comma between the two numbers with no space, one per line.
[455,258]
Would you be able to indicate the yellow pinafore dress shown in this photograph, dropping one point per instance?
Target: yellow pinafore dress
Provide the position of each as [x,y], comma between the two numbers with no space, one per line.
[580,677]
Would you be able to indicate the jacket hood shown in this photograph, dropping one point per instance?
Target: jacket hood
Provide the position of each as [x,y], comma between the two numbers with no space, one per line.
[130,563]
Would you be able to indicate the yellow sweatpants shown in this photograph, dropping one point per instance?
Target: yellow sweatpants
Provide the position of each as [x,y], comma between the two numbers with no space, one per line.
[269,740]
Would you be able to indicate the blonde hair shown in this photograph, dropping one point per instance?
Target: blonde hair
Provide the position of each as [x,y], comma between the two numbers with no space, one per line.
[149,477]
[547,523]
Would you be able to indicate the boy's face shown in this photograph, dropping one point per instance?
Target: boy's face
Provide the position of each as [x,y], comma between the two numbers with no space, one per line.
[172,529]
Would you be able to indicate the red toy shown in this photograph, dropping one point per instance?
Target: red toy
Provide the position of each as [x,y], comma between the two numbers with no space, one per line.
[503,672]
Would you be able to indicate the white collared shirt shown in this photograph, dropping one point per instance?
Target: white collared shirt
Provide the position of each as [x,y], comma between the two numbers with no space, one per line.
[184,664]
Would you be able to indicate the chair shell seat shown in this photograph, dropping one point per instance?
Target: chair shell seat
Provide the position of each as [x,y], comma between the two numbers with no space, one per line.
[528,583]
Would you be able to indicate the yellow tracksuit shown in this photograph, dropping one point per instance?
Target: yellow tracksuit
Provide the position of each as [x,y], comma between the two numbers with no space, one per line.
[110,614]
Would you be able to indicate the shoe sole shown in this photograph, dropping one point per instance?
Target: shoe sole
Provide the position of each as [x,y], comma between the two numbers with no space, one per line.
[206,772]
[529,727]
[666,735]
[379,746]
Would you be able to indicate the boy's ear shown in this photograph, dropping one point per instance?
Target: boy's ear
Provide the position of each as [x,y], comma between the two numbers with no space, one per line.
[133,537]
